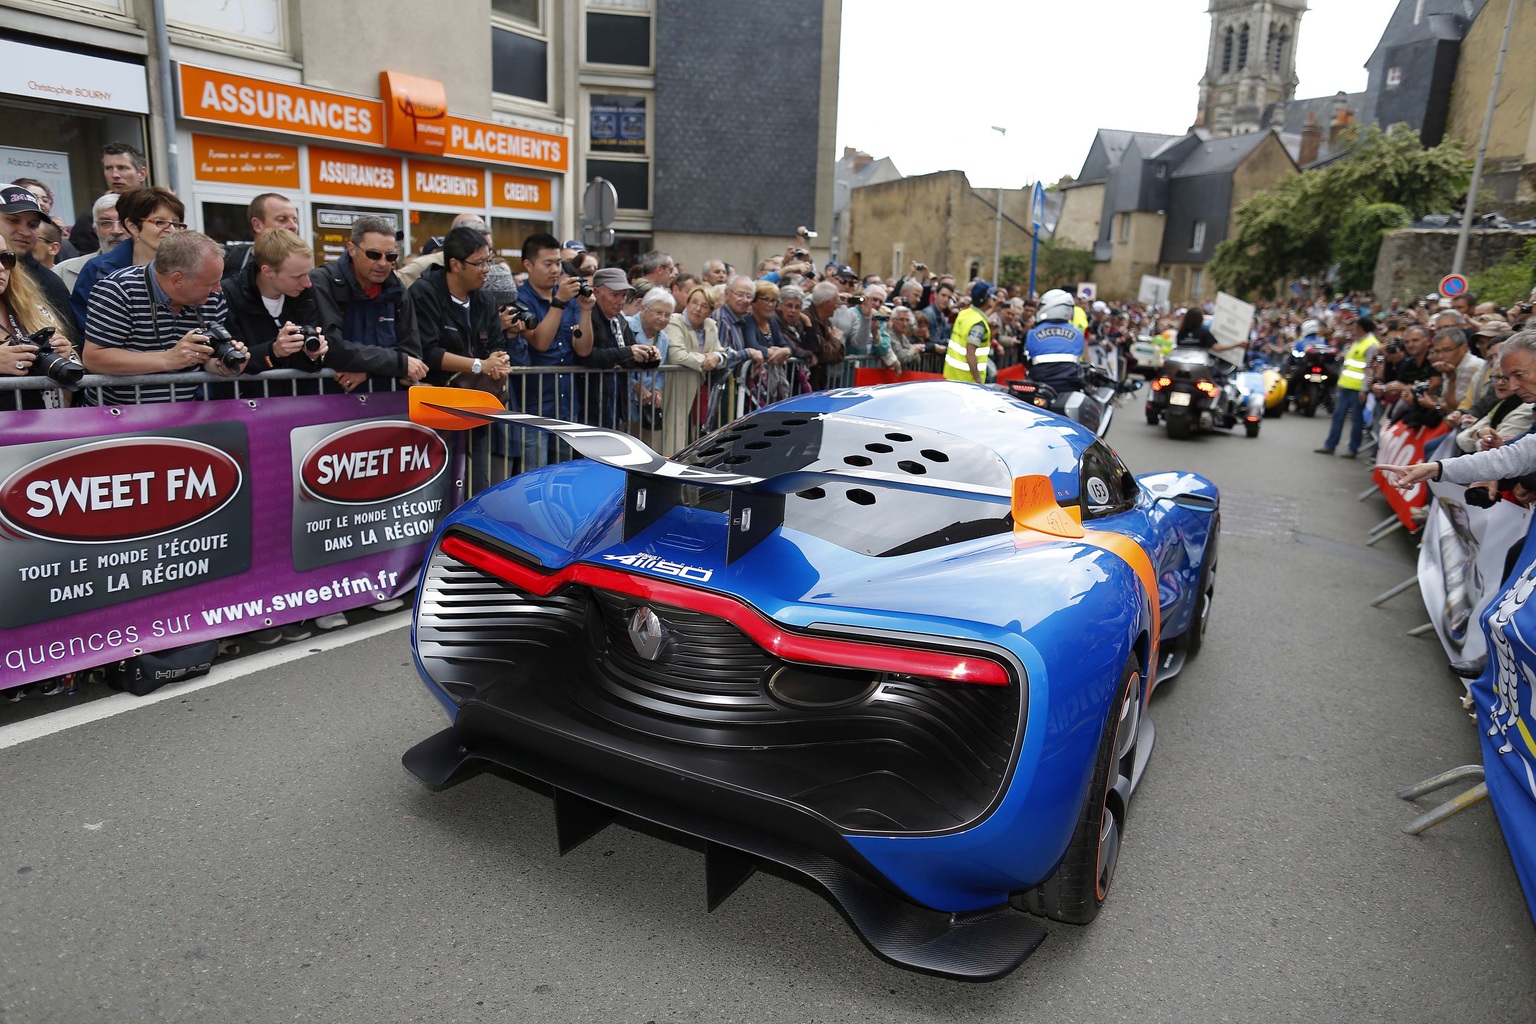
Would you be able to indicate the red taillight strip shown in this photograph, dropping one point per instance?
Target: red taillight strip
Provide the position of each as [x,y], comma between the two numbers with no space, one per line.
[789,646]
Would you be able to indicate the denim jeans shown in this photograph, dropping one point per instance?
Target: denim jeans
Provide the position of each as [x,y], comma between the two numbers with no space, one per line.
[1345,401]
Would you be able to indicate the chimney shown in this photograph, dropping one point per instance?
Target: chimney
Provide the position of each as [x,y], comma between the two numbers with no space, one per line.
[1342,119]
[1311,142]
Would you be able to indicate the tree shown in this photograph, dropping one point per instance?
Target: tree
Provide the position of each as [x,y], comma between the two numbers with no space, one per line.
[1294,231]
[1358,242]
[1059,265]
[1508,282]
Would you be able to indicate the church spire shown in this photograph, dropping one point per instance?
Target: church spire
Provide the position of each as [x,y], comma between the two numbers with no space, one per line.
[1251,63]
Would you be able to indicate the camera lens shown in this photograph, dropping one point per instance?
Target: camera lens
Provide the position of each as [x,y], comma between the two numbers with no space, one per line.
[62,370]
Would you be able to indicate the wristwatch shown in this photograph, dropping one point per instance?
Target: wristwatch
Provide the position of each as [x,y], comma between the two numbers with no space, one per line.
[474,367]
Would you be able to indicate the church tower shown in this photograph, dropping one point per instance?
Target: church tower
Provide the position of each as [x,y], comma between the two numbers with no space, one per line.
[1251,63]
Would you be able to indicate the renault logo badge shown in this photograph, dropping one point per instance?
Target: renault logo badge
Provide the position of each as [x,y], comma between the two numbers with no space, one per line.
[647,633]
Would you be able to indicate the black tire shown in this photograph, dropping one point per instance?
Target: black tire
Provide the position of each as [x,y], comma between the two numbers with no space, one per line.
[1179,428]
[1252,428]
[1307,404]
[1152,417]
[1080,885]
[1194,637]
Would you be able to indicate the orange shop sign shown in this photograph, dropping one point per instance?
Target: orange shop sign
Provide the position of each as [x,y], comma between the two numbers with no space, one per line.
[415,112]
[218,96]
[446,183]
[503,144]
[513,192]
[239,162]
[337,172]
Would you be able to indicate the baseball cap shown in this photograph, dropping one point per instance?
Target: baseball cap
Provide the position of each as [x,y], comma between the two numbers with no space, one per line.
[981,291]
[612,278]
[432,245]
[1100,306]
[574,246]
[843,270]
[18,199]
[1493,329]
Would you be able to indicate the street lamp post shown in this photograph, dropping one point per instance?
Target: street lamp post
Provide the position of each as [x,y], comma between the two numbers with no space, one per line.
[997,238]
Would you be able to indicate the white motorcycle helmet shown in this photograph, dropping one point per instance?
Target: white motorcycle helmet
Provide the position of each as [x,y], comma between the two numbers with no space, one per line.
[1056,304]
[1311,328]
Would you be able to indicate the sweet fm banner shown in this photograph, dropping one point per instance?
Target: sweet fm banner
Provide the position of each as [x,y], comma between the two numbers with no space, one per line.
[1463,562]
[142,528]
[1401,445]
[1503,696]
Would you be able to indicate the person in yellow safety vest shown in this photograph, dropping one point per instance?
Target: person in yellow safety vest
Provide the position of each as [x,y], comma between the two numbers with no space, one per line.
[1080,314]
[1348,397]
[970,343]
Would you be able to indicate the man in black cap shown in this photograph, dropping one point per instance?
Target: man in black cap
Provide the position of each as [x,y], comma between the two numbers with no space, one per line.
[20,219]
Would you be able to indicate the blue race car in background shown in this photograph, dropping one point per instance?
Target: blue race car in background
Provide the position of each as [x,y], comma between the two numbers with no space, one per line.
[894,643]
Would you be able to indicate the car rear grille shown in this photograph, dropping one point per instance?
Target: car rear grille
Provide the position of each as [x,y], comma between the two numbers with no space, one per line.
[914,755]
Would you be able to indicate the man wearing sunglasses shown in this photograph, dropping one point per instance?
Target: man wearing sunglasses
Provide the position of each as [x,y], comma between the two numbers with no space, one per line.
[365,312]
[20,218]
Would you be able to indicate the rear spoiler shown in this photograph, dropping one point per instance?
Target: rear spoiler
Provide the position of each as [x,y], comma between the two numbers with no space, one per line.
[653,483]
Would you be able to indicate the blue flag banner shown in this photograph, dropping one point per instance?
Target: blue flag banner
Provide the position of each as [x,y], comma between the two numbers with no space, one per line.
[1506,720]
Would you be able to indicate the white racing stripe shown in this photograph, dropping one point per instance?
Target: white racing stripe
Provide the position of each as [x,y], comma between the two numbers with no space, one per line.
[118,703]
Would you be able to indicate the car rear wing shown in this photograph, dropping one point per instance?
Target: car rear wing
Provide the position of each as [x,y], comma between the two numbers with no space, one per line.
[653,483]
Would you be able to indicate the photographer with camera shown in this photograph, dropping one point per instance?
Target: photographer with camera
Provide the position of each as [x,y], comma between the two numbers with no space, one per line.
[272,309]
[164,317]
[24,317]
[562,306]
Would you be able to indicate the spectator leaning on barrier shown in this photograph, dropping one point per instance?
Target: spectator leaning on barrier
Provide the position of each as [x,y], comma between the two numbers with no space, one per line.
[905,350]
[613,345]
[649,327]
[1517,364]
[124,170]
[23,311]
[20,218]
[1509,418]
[1450,356]
[147,215]
[793,324]
[267,211]
[109,231]
[821,335]
[153,319]
[366,315]
[693,343]
[270,299]
[737,340]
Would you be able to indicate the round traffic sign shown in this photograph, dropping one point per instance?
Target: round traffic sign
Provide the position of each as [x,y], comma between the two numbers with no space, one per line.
[1452,285]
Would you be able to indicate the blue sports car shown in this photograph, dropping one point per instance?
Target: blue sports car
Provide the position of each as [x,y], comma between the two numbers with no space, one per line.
[894,643]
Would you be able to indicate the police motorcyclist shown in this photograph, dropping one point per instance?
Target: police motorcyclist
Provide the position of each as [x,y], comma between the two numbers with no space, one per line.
[1054,348]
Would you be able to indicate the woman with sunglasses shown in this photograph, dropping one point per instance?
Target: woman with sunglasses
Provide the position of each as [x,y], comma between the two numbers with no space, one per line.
[148,215]
[23,310]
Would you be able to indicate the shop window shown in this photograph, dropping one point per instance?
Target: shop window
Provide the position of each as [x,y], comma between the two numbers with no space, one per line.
[631,179]
[226,222]
[256,22]
[333,228]
[519,65]
[508,235]
[526,11]
[621,39]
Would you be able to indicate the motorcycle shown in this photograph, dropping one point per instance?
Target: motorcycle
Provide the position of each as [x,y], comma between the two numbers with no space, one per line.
[1189,397]
[1093,408]
[1310,375]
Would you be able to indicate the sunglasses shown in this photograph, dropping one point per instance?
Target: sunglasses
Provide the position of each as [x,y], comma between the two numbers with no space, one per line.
[8,260]
[376,255]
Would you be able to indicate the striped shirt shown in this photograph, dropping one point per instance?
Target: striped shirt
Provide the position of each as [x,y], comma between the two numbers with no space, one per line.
[129,310]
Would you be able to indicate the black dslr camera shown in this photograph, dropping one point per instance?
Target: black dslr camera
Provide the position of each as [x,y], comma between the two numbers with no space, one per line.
[520,314]
[223,344]
[62,370]
[572,271]
[312,341]
[1420,388]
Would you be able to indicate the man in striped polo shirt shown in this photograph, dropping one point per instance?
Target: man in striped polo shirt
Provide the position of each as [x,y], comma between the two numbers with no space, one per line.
[153,319]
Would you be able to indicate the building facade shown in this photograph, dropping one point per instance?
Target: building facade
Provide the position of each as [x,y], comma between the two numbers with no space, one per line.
[937,219]
[510,112]
[1509,172]
[1250,64]
[1412,71]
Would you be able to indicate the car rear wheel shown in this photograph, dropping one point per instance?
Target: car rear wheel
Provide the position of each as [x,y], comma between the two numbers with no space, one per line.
[1077,890]
[1152,417]
[1253,428]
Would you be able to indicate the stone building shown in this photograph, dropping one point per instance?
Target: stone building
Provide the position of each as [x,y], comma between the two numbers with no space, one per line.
[1510,170]
[937,219]
[1164,203]
[1250,65]
[1414,66]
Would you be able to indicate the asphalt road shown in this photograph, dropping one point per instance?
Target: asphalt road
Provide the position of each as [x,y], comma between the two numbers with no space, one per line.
[253,851]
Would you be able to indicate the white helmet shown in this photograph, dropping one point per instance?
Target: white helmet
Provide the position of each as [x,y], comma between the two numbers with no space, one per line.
[1310,328]
[1056,305]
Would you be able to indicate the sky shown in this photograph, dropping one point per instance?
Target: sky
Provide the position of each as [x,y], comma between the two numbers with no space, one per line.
[917,88]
